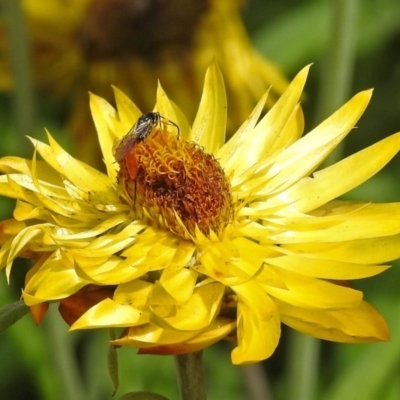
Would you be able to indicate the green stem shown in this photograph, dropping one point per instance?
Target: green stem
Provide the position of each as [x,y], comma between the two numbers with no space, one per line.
[337,71]
[256,381]
[66,369]
[303,366]
[21,69]
[191,376]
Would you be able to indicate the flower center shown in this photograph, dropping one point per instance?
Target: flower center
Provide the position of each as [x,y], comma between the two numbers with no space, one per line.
[174,182]
[119,28]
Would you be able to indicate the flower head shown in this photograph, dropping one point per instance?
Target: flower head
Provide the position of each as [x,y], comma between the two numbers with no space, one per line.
[187,240]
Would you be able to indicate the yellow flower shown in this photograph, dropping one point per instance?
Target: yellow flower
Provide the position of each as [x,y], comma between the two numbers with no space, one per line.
[272,245]
[82,45]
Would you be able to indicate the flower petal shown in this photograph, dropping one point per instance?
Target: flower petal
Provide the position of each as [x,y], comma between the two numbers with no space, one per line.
[258,325]
[148,335]
[312,192]
[217,330]
[303,291]
[109,313]
[210,123]
[305,155]
[128,113]
[195,314]
[361,324]
[104,116]
[254,147]
[326,269]
[364,251]
[54,280]
[358,221]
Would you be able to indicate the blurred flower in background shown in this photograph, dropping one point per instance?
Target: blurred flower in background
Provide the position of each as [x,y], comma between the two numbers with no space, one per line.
[184,250]
[82,45]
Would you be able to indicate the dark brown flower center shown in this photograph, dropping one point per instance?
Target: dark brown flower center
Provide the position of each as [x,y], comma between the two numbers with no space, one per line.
[117,28]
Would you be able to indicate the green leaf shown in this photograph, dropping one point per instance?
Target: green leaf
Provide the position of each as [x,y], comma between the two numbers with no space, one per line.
[11,313]
[142,396]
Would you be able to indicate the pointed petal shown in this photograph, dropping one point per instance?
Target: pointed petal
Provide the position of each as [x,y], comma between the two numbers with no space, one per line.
[104,116]
[364,251]
[326,269]
[255,146]
[303,291]
[361,324]
[109,313]
[128,113]
[226,152]
[354,222]
[304,156]
[209,125]
[333,181]
[164,105]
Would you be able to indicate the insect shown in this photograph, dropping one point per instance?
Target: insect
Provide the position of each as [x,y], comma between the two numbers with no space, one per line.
[139,131]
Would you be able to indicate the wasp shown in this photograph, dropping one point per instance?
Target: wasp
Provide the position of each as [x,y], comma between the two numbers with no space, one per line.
[139,131]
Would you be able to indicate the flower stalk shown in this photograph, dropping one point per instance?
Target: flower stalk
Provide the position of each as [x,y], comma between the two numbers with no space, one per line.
[337,71]
[21,67]
[191,376]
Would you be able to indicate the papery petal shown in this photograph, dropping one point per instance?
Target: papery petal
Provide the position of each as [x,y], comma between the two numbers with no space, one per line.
[109,313]
[312,192]
[252,148]
[363,251]
[104,116]
[217,330]
[360,221]
[326,269]
[361,324]
[258,325]
[209,125]
[306,154]
[302,291]
[54,280]
[149,335]
[194,314]
[128,113]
